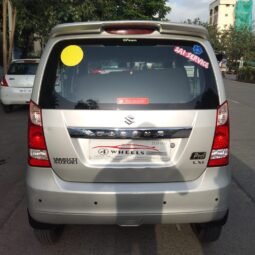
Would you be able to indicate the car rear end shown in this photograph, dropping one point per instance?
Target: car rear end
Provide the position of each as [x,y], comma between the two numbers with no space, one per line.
[128,125]
[16,85]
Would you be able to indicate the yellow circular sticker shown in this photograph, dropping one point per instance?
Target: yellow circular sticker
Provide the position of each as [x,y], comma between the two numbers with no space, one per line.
[71,55]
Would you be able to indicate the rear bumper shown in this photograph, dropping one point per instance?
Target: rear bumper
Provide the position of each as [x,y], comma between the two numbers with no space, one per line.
[12,95]
[52,200]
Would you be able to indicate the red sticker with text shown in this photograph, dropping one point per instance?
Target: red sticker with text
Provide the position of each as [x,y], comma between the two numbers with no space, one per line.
[192,57]
[133,100]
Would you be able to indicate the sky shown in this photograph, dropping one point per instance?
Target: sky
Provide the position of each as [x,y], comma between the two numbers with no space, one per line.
[190,9]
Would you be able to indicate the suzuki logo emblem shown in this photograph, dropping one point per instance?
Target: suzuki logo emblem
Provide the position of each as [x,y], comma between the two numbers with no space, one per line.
[129,120]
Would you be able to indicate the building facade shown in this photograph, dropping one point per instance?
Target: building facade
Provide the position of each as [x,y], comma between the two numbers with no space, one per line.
[238,13]
[222,13]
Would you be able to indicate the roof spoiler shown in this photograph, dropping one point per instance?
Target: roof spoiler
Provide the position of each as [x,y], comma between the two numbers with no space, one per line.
[80,28]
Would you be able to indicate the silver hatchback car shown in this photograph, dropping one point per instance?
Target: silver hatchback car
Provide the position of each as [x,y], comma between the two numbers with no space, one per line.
[128,125]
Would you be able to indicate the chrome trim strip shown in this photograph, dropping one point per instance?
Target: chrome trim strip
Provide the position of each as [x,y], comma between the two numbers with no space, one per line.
[129,133]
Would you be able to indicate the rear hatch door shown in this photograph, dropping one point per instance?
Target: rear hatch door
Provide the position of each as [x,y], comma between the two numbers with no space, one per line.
[21,74]
[151,119]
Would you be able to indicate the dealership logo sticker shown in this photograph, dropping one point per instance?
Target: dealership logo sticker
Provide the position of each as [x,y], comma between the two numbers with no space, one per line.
[103,151]
[129,146]
[128,149]
[192,57]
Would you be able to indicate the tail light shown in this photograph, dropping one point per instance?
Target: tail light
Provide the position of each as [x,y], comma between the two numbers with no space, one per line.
[4,82]
[129,31]
[37,149]
[220,148]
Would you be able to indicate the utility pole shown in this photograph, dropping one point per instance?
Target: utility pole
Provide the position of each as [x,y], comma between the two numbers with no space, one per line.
[5,53]
[12,23]
[9,20]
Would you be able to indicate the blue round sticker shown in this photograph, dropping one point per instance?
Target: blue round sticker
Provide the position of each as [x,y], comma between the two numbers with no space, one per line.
[197,49]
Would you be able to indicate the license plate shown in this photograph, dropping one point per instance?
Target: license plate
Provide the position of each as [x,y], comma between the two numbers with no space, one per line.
[149,151]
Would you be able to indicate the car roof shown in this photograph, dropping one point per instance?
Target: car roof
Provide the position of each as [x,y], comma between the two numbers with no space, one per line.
[99,26]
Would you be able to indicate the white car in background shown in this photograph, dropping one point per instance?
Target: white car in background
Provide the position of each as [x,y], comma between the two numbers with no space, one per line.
[16,85]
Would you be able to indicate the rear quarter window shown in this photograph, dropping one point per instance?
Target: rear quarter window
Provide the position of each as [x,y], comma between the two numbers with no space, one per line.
[22,68]
[129,74]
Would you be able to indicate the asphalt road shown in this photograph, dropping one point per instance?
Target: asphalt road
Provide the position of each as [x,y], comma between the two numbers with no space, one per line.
[16,237]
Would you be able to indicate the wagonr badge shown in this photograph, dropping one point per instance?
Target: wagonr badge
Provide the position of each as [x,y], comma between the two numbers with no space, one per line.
[128,133]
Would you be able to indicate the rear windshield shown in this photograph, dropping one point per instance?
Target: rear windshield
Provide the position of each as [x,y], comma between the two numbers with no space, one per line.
[23,68]
[129,74]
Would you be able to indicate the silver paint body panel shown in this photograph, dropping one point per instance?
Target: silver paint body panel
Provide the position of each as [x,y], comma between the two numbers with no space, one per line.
[178,168]
[53,200]
[128,193]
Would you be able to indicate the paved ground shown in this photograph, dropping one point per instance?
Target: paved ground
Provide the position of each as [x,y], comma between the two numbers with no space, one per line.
[16,236]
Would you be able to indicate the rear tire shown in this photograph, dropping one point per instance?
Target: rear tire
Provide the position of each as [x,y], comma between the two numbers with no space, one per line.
[45,233]
[7,108]
[48,236]
[207,232]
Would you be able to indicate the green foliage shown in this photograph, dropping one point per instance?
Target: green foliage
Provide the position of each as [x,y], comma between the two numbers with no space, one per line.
[214,34]
[214,37]
[234,43]
[131,9]
[195,21]
[238,43]
[35,18]
[246,74]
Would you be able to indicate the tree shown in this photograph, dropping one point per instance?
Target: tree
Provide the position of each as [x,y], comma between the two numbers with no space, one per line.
[214,37]
[36,18]
[238,44]
[235,43]
[195,21]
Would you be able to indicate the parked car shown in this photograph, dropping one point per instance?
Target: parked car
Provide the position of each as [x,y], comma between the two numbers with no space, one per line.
[147,143]
[16,85]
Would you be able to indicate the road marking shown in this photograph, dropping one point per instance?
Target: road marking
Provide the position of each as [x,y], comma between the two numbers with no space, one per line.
[233,101]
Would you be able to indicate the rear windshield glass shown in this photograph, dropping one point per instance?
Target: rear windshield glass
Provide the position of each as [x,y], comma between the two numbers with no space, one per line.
[128,74]
[23,68]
